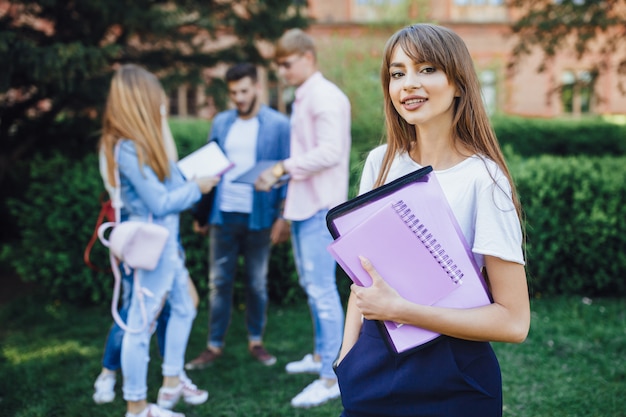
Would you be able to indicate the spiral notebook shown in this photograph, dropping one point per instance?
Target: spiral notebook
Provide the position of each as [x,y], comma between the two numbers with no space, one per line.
[409,233]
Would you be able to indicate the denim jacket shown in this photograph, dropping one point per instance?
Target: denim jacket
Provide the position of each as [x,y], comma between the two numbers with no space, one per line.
[272,144]
[143,194]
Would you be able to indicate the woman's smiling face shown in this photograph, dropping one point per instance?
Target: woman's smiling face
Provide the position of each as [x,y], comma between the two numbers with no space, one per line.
[420,92]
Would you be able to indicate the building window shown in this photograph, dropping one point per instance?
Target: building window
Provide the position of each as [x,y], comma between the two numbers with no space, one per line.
[184,101]
[576,92]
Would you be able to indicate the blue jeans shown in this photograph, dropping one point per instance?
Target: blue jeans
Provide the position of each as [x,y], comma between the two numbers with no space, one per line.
[316,270]
[227,242]
[168,281]
[111,359]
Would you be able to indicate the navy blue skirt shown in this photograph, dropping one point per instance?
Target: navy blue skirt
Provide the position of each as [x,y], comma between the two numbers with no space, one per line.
[447,378]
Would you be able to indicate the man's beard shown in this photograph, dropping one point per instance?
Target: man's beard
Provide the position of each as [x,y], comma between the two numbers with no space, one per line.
[250,108]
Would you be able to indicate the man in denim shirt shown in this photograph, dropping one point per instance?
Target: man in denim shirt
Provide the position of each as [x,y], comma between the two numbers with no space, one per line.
[243,221]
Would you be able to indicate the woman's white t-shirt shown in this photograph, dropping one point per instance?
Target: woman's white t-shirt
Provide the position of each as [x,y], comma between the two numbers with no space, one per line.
[480,197]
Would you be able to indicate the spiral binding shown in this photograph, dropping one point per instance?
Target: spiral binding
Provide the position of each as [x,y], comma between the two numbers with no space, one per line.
[422,233]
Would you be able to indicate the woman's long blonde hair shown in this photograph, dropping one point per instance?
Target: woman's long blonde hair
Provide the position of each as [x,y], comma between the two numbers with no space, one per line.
[133,111]
[445,50]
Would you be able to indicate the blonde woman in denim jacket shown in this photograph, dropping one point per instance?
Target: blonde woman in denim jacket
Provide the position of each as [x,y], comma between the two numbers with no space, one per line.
[152,189]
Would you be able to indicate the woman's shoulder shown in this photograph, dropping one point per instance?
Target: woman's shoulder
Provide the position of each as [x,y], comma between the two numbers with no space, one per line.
[127,151]
[127,145]
[479,164]
[378,153]
[484,170]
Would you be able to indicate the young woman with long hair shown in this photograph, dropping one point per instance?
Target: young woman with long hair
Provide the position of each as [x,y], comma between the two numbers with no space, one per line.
[152,189]
[435,116]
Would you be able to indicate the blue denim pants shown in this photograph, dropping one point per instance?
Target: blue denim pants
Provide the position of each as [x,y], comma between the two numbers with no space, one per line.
[316,271]
[111,359]
[227,242]
[168,281]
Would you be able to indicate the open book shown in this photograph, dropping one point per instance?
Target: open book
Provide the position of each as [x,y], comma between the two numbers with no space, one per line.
[409,233]
[208,161]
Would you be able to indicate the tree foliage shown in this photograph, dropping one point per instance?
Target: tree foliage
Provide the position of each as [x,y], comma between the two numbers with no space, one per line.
[585,27]
[58,55]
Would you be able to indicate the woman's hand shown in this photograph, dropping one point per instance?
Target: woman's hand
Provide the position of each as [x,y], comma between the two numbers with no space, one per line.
[206,184]
[378,301]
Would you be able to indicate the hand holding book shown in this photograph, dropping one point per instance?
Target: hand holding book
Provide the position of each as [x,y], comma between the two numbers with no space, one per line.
[377,301]
[407,230]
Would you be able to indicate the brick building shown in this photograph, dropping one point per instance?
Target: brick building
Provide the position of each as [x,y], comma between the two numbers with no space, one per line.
[484,25]
[563,89]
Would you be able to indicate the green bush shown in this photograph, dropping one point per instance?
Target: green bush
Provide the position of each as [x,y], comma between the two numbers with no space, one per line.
[56,217]
[189,134]
[574,210]
[563,137]
[576,234]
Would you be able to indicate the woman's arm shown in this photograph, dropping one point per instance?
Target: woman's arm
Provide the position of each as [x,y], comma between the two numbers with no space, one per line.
[506,320]
[159,200]
[352,327]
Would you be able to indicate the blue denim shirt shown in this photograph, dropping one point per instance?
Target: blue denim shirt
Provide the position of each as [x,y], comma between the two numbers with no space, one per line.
[272,144]
[143,193]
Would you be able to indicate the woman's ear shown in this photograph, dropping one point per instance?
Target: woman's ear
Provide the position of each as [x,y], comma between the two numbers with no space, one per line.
[307,56]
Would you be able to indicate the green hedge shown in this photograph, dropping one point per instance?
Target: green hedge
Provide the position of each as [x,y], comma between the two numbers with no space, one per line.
[563,137]
[56,217]
[574,214]
[576,233]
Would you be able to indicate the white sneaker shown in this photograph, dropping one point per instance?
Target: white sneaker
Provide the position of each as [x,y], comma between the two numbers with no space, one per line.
[187,390]
[307,365]
[191,393]
[105,388]
[316,393]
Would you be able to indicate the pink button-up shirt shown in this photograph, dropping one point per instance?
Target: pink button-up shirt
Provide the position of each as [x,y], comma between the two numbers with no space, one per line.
[320,149]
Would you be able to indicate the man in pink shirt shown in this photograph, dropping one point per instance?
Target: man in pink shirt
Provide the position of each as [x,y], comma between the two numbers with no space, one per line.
[318,168]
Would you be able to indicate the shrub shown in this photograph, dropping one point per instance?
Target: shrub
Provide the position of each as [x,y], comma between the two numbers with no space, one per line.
[563,137]
[574,221]
[574,210]
[189,134]
[56,216]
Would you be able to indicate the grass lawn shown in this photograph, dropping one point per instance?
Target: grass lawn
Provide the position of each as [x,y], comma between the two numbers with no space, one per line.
[573,363]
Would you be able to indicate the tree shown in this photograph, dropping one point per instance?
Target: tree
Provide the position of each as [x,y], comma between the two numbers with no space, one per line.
[586,27]
[58,56]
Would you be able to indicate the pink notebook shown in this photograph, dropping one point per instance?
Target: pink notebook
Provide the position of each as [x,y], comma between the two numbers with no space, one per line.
[412,238]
